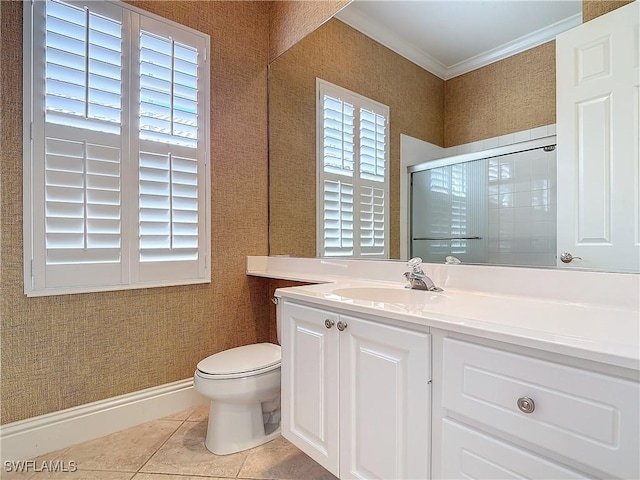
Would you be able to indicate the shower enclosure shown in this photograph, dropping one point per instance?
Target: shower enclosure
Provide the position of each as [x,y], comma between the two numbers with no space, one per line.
[496,207]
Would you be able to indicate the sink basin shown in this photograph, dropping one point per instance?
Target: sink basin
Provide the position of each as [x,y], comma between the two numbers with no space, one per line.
[402,296]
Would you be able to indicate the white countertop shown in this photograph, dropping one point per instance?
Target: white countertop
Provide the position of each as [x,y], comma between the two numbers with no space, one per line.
[594,316]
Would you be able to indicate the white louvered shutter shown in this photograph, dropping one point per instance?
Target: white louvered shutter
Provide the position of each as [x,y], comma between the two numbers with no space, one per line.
[171,230]
[373,183]
[352,171]
[77,210]
[338,168]
[338,218]
[116,166]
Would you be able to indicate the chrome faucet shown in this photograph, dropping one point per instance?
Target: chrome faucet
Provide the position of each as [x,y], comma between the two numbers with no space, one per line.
[416,277]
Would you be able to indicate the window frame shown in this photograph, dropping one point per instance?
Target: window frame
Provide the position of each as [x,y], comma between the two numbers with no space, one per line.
[35,267]
[359,102]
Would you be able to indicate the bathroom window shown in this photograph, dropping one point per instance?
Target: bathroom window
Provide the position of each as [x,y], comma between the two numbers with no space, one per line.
[116,160]
[353,180]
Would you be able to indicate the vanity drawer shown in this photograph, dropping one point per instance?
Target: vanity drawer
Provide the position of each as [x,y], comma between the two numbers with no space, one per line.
[468,453]
[582,415]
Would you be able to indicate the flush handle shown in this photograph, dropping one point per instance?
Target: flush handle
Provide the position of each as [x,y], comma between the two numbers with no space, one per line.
[342,325]
[566,257]
[328,323]
[526,405]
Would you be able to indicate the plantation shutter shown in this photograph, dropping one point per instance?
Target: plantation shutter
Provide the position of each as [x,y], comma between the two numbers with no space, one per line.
[171,152]
[78,212]
[352,173]
[116,165]
[338,168]
[373,198]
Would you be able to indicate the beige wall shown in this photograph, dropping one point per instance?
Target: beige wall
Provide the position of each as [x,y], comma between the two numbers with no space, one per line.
[341,55]
[514,94]
[291,21]
[594,8]
[63,351]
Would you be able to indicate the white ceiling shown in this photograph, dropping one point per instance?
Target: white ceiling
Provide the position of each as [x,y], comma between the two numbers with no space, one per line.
[452,37]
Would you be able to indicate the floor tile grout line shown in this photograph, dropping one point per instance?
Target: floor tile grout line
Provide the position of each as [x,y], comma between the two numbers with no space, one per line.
[182,422]
[244,460]
[169,475]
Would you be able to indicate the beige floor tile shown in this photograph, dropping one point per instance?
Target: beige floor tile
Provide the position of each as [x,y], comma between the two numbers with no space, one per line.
[195,412]
[124,451]
[164,476]
[180,416]
[16,475]
[199,414]
[33,467]
[185,454]
[280,460]
[82,475]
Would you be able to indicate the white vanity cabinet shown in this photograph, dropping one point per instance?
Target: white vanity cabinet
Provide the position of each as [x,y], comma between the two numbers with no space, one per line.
[510,415]
[356,393]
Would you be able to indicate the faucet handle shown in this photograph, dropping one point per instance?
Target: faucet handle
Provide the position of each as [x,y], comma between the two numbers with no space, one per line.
[414,264]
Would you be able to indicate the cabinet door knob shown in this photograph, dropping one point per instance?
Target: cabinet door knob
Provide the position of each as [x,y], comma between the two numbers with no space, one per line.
[526,405]
[566,257]
[328,323]
[342,325]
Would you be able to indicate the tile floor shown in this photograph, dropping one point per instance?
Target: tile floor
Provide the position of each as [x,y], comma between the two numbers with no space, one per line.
[172,448]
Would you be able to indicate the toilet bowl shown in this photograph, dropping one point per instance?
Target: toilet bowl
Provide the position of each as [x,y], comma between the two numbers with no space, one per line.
[243,385]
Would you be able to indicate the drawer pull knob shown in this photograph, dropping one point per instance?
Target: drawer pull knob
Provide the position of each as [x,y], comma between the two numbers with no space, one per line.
[328,323]
[342,325]
[526,405]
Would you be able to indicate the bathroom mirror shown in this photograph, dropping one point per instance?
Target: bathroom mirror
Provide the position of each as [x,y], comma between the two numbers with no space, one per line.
[449,109]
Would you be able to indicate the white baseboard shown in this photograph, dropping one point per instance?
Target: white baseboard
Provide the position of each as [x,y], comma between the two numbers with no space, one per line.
[26,439]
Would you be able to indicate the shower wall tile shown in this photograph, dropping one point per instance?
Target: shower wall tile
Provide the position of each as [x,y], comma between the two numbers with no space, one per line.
[522,136]
[507,139]
[540,132]
[491,143]
[521,200]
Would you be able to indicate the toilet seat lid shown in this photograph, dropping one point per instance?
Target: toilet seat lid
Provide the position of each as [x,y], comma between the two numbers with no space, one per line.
[247,358]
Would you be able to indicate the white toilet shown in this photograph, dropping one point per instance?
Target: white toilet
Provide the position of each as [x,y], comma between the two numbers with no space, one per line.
[243,384]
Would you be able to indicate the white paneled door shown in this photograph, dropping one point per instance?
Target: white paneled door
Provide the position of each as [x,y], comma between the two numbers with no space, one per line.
[598,84]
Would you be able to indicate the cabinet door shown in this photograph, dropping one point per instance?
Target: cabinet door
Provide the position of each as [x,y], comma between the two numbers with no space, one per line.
[384,401]
[597,123]
[310,382]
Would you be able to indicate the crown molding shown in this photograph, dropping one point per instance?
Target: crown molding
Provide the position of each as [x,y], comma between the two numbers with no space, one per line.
[514,47]
[420,57]
[388,38]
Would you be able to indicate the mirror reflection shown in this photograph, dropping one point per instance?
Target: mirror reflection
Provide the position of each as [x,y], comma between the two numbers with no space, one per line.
[446,110]
[498,209]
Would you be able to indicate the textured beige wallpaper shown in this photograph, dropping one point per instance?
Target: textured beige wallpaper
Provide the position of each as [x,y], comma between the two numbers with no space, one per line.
[341,55]
[514,94]
[291,21]
[63,351]
[594,8]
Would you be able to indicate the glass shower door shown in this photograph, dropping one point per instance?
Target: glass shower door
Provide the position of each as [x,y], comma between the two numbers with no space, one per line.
[449,207]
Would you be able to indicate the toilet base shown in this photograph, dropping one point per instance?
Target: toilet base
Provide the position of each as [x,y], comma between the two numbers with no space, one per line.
[236,427]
